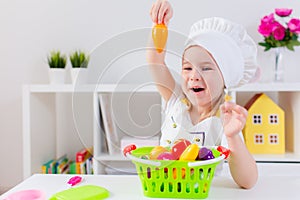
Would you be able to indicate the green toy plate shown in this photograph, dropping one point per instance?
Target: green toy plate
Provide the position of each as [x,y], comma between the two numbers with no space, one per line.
[86,192]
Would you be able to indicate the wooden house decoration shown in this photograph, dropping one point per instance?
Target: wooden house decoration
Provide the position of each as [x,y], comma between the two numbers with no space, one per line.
[264,129]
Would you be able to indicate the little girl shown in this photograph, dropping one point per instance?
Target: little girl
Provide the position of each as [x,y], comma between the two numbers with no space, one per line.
[218,54]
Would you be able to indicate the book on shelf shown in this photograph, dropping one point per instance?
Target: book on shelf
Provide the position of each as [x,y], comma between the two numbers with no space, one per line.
[109,126]
[83,164]
[56,166]
[83,161]
[49,167]
[103,141]
[61,165]
[72,167]
[83,154]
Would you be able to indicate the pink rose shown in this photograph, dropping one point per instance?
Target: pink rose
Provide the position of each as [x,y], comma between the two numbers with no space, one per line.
[294,25]
[278,32]
[268,18]
[283,12]
[265,29]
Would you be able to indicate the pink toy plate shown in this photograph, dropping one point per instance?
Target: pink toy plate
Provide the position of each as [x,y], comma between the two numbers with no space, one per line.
[27,195]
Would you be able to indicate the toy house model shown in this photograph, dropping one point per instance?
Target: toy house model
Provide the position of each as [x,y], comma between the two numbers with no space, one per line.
[264,129]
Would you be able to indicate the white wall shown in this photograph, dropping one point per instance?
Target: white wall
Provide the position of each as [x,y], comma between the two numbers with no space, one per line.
[30,29]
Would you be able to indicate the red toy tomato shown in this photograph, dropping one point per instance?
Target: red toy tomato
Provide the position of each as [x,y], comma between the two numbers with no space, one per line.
[223,151]
[179,147]
[160,36]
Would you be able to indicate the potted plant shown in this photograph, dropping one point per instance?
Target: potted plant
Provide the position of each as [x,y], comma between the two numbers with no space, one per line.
[79,61]
[57,64]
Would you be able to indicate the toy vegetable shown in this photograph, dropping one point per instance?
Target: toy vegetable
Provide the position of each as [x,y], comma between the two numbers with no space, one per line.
[179,147]
[224,151]
[160,36]
[128,149]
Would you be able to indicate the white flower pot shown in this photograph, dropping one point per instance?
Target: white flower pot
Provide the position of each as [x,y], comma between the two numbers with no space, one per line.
[57,75]
[79,75]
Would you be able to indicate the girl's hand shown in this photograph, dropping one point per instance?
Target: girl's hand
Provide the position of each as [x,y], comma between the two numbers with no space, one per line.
[234,118]
[161,12]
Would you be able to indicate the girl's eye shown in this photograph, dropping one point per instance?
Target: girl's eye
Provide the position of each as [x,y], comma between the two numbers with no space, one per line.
[187,68]
[206,68]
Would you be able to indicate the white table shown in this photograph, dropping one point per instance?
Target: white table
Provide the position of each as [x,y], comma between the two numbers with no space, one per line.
[276,181]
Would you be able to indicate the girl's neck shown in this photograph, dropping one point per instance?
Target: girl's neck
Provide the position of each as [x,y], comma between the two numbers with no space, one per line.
[199,114]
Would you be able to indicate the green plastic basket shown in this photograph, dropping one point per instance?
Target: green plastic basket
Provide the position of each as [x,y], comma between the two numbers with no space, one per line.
[173,178]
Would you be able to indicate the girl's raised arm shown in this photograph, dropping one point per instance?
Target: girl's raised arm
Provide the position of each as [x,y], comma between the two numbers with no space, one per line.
[161,12]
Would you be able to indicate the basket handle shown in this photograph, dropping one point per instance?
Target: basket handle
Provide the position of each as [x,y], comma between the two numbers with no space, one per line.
[144,161]
[127,153]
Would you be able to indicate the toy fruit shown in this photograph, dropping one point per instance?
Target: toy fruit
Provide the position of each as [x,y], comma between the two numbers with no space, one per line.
[216,153]
[227,97]
[224,151]
[205,154]
[159,36]
[156,151]
[165,156]
[175,173]
[179,147]
[74,180]
[190,153]
[128,149]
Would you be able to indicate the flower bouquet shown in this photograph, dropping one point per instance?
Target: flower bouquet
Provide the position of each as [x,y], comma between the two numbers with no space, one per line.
[279,30]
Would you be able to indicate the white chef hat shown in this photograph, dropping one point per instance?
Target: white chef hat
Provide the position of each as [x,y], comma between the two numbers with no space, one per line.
[232,48]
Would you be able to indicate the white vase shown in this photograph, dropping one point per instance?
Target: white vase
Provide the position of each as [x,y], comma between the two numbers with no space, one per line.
[79,75]
[57,75]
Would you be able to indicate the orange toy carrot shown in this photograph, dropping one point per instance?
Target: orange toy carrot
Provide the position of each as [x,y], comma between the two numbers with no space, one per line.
[160,36]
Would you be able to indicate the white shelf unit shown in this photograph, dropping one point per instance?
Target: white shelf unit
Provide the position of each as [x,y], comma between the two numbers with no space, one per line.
[40,110]
[43,136]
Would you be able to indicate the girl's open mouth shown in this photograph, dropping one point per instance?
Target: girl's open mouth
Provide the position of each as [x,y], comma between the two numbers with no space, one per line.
[197,89]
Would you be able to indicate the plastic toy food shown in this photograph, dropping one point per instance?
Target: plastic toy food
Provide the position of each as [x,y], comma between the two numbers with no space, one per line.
[175,173]
[74,180]
[86,192]
[183,178]
[156,151]
[190,153]
[128,149]
[160,36]
[179,147]
[223,151]
[216,153]
[166,156]
[205,154]
[227,97]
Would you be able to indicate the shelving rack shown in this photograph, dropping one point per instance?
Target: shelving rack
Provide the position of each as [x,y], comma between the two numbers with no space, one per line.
[41,114]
